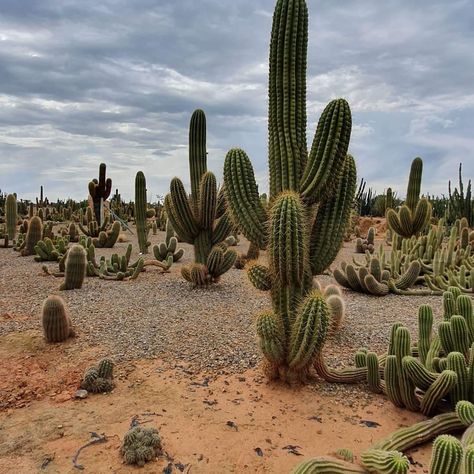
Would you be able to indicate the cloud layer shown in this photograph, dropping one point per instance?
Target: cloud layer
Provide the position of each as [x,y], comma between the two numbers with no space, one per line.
[116,81]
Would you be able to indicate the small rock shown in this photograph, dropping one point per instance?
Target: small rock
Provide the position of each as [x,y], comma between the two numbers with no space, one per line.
[81,394]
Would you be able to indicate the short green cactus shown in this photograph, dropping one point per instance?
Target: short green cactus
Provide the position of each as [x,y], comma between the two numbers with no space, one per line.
[385,462]
[107,239]
[168,248]
[141,445]
[33,236]
[99,379]
[57,325]
[447,455]
[75,270]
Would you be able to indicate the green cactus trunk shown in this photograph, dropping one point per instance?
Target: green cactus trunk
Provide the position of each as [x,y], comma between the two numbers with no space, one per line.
[140,212]
[200,220]
[310,201]
[11,216]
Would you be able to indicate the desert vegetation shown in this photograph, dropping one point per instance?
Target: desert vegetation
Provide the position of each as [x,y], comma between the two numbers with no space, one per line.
[224,330]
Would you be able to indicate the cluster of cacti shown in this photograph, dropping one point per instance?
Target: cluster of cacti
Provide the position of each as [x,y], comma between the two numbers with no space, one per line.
[439,264]
[71,232]
[75,269]
[201,219]
[376,277]
[415,213]
[367,244]
[419,377]
[108,238]
[57,325]
[301,240]
[141,445]
[92,228]
[141,212]
[99,379]
[450,455]
[461,205]
[49,250]
[99,191]
[116,268]
[168,248]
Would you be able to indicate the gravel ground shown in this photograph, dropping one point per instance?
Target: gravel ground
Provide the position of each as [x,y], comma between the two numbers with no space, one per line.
[161,315]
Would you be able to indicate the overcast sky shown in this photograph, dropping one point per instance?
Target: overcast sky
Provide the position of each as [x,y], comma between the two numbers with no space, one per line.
[86,81]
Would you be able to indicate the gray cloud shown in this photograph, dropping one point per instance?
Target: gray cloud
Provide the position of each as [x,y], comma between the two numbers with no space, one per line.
[116,81]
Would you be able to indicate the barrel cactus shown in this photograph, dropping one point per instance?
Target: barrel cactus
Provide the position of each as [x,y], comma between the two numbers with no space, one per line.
[75,269]
[33,236]
[200,220]
[310,201]
[57,325]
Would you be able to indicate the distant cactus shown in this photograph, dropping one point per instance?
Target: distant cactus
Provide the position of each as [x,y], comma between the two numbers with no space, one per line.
[33,236]
[11,216]
[57,325]
[75,270]
[367,244]
[140,212]
[414,215]
[107,239]
[100,190]
[200,220]
[169,247]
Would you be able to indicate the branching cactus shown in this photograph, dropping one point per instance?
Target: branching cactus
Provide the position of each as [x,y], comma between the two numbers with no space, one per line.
[415,214]
[309,206]
[200,220]
[168,248]
[100,191]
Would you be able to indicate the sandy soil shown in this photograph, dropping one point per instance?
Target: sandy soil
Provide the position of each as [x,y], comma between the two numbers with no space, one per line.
[236,423]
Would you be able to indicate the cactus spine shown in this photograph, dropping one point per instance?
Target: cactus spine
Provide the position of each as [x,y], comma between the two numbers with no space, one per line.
[301,242]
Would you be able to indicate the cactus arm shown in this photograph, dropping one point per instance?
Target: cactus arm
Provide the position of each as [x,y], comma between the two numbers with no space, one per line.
[242,197]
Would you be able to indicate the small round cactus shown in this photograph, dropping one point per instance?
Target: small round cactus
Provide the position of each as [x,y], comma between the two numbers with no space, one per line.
[141,445]
[57,324]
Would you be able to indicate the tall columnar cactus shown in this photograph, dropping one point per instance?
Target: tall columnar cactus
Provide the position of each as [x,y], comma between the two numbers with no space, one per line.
[57,325]
[302,239]
[100,191]
[140,212]
[11,215]
[415,214]
[199,220]
[75,271]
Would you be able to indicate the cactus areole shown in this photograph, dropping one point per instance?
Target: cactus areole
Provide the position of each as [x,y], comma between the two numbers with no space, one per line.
[310,199]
